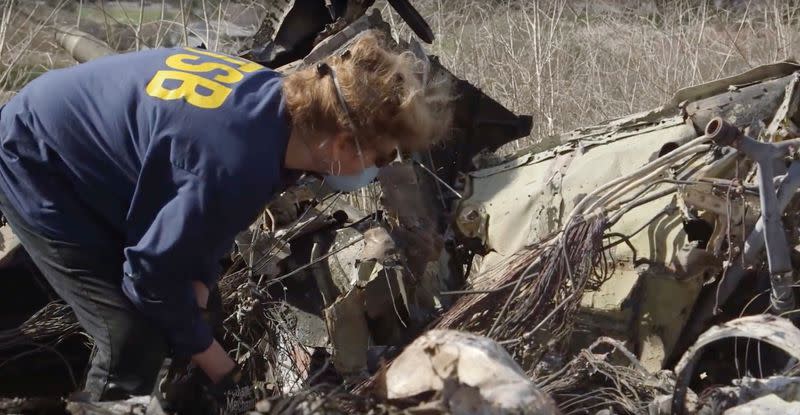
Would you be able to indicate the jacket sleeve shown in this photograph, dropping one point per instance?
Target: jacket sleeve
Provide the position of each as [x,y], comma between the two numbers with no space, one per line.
[183,243]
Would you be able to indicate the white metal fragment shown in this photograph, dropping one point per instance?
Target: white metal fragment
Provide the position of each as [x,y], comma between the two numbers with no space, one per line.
[767,405]
[471,373]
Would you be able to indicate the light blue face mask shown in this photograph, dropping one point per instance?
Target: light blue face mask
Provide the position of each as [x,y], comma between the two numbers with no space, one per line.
[354,182]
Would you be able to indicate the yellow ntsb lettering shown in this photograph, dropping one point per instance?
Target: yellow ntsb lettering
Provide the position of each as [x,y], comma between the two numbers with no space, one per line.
[194,80]
[179,62]
[187,89]
[243,64]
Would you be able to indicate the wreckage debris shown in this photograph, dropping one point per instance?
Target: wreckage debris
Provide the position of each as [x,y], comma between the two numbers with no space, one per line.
[139,405]
[467,373]
[776,331]
[577,288]
[606,375]
[767,405]
[782,393]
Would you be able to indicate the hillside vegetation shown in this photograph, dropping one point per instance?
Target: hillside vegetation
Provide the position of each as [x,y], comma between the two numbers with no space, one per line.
[567,62]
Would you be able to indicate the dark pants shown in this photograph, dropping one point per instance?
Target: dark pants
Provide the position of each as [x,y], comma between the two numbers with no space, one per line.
[128,350]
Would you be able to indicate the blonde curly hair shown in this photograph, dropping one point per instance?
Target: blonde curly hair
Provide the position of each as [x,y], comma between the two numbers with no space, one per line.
[393,97]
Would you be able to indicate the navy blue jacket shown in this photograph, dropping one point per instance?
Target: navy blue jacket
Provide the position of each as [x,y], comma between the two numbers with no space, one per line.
[170,152]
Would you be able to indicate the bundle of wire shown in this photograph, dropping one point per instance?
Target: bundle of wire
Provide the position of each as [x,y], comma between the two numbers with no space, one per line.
[540,287]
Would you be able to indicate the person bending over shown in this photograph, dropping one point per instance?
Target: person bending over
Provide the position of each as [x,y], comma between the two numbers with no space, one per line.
[126,179]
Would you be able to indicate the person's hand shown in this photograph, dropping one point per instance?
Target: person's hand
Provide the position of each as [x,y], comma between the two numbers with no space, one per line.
[214,362]
[184,390]
[201,293]
[233,394]
[191,392]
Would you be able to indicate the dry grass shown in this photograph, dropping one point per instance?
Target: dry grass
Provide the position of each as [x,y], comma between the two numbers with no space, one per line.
[567,62]
[575,63]
[27,29]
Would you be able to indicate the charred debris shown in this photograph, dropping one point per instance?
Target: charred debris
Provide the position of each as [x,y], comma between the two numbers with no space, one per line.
[644,265]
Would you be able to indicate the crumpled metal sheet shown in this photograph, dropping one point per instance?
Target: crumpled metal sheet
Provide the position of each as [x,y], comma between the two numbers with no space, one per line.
[336,42]
[787,388]
[349,334]
[344,264]
[783,123]
[744,105]
[372,284]
[523,201]
[757,74]
[473,374]
[287,31]
[309,328]
[766,405]
[378,245]
[664,306]
[777,331]
[747,389]
[524,176]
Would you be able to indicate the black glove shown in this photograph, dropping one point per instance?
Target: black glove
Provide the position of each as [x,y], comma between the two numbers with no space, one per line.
[184,390]
[233,395]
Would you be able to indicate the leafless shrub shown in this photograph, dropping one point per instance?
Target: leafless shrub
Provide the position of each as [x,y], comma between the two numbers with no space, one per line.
[567,62]
[572,63]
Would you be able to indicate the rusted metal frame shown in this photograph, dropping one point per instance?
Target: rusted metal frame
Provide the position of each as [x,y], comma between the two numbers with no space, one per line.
[764,155]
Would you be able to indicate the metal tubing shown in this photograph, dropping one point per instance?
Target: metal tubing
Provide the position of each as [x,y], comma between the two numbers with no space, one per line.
[780,269]
[591,199]
[753,247]
[764,155]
